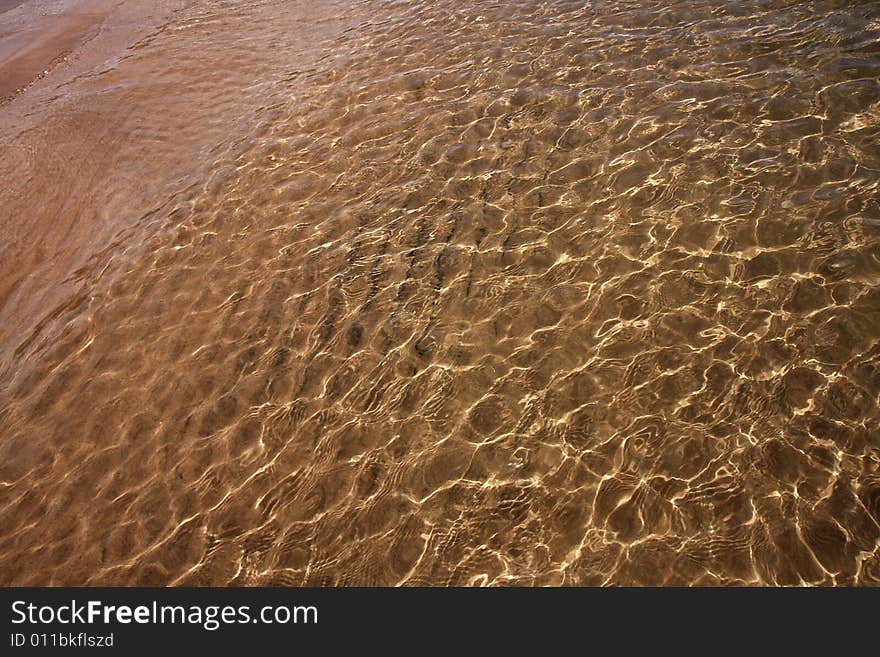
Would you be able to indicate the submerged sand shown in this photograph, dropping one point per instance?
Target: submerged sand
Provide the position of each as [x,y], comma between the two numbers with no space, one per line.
[439,293]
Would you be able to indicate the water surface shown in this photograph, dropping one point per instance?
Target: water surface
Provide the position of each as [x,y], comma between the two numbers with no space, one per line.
[449,293]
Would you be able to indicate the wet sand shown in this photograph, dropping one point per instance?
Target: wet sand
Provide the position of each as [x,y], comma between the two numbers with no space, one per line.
[59,146]
[440,293]
[31,45]
[6,5]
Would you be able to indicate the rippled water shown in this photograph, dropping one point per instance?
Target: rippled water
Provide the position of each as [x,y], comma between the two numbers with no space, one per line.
[456,293]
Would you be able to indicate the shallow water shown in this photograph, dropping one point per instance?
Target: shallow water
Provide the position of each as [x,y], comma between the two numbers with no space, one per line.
[450,293]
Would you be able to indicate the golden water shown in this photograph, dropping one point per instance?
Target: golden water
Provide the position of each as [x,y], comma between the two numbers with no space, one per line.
[449,293]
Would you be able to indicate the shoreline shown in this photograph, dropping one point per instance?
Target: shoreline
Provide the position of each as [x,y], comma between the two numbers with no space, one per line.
[34,42]
[125,122]
[8,5]
[47,125]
